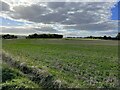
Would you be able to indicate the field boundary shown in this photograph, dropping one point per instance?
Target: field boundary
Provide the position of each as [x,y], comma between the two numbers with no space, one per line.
[39,76]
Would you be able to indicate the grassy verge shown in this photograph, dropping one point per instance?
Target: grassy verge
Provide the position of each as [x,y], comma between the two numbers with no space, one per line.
[14,79]
[39,76]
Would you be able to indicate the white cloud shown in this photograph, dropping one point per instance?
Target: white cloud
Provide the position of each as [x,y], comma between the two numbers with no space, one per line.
[82,16]
[29,29]
[64,13]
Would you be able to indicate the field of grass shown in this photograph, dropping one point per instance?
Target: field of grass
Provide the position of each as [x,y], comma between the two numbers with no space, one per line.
[78,63]
[13,78]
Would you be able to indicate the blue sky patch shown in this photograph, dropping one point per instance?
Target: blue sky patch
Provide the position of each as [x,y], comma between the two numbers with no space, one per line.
[116,12]
[8,22]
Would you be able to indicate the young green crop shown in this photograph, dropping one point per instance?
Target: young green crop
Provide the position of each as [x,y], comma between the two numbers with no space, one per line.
[80,63]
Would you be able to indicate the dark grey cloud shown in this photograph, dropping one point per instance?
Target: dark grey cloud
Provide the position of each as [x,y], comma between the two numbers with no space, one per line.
[68,13]
[4,6]
[102,26]
[89,16]
[30,13]
[56,5]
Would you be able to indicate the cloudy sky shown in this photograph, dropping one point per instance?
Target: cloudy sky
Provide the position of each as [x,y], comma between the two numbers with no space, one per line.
[75,18]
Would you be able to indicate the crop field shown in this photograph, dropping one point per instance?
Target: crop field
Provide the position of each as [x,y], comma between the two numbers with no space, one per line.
[77,63]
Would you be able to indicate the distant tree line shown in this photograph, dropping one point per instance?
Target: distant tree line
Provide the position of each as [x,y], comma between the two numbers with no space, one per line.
[8,36]
[105,37]
[74,37]
[44,36]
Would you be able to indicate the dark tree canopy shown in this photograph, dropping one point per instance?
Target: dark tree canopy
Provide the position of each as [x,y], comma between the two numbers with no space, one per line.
[45,36]
[105,37]
[7,36]
[118,36]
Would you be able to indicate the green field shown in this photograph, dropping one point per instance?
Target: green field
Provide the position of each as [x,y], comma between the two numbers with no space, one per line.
[78,63]
[13,78]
